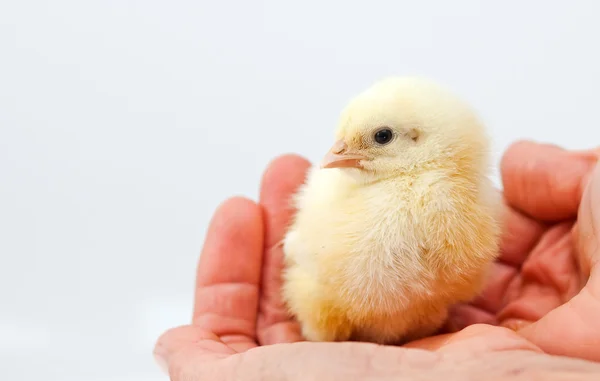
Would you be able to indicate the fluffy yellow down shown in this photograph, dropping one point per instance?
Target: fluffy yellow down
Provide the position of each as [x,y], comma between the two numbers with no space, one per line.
[379,253]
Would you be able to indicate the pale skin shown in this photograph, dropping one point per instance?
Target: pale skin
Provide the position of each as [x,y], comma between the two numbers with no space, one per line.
[537,318]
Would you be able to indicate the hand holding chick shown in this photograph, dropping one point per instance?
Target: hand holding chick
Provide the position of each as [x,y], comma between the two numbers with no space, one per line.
[399,223]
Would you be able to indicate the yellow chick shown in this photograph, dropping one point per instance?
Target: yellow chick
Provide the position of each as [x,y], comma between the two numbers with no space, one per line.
[400,221]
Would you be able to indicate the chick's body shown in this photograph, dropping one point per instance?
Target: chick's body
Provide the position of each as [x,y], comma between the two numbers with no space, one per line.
[389,235]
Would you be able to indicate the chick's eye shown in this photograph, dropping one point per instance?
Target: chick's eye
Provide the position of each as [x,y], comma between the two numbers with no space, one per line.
[383,136]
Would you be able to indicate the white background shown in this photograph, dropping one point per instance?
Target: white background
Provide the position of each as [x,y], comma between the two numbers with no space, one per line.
[123,124]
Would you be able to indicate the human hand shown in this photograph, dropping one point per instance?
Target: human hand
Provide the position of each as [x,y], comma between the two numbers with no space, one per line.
[546,284]
[238,313]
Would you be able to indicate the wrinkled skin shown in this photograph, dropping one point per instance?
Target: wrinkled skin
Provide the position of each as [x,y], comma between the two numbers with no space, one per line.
[537,319]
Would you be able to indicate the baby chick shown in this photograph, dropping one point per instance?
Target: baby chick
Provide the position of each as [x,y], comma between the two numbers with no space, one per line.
[398,224]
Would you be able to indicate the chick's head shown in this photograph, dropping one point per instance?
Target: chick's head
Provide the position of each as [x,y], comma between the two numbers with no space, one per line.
[406,125]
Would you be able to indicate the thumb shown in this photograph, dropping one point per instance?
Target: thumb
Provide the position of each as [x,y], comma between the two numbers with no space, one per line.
[588,234]
[574,325]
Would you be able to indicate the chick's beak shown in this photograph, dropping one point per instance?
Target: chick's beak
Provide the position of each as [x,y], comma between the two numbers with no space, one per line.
[339,157]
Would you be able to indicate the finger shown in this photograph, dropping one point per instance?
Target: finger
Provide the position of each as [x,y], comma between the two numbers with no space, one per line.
[280,182]
[228,275]
[588,228]
[570,330]
[546,274]
[545,181]
[464,315]
[181,338]
[182,350]
[492,299]
[547,279]
[520,234]
[474,340]
[482,338]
